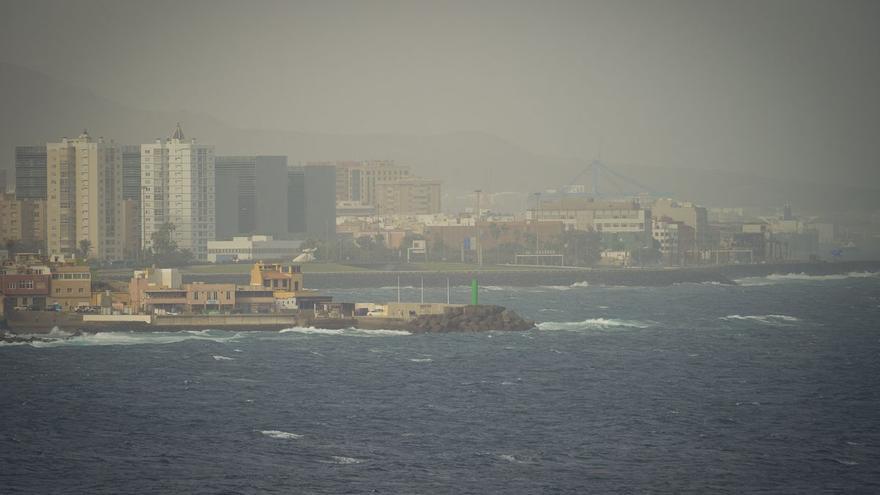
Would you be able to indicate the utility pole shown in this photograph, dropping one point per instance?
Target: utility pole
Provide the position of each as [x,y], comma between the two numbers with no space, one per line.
[537,227]
[477,230]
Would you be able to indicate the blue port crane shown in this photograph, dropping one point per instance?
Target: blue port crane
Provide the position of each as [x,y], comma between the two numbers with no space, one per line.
[601,173]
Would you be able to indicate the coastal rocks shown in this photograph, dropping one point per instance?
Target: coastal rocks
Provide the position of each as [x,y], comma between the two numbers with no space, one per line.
[470,319]
[11,338]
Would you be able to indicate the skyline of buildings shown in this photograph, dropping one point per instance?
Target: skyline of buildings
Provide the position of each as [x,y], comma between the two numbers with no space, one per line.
[116,196]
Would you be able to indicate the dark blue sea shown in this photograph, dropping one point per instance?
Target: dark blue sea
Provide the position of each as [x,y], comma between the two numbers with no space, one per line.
[771,386]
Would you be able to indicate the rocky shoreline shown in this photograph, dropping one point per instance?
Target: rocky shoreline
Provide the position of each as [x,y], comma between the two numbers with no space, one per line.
[471,319]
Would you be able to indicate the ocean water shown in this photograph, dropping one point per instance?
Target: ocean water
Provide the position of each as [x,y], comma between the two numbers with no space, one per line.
[770,386]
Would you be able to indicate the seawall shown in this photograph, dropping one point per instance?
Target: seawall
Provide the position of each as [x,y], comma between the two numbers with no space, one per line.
[725,274]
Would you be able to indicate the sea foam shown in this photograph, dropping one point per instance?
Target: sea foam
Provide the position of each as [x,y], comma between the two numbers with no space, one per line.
[777,320]
[281,435]
[591,324]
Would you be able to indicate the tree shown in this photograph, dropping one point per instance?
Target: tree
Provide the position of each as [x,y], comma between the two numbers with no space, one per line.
[85,248]
[162,240]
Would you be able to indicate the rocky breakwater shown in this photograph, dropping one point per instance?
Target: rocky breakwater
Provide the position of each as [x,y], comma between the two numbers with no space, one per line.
[470,319]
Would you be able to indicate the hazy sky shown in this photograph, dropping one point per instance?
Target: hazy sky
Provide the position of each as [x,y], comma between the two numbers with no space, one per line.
[789,85]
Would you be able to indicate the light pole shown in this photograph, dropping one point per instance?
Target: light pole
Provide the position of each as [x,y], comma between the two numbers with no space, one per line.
[537,226]
[477,229]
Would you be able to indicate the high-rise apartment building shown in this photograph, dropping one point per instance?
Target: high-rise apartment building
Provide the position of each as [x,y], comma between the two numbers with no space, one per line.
[10,219]
[356,181]
[409,196]
[177,180]
[254,196]
[30,172]
[131,197]
[84,189]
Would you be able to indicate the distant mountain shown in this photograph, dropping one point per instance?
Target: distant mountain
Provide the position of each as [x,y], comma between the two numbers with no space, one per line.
[37,108]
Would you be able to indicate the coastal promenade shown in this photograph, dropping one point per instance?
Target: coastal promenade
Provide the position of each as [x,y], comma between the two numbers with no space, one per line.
[518,276]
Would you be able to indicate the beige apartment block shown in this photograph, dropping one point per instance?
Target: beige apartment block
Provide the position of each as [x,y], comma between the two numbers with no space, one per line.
[84,197]
[10,219]
[357,181]
[409,196]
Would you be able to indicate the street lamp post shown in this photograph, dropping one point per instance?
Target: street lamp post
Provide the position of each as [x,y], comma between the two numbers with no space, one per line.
[477,229]
[537,226]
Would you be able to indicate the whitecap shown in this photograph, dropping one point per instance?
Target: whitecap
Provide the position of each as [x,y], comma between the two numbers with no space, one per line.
[421,360]
[312,330]
[381,332]
[133,338]
[581,284]
[338,459]
[349,332]
[281,435]
[217,357]
[776,278]
[778,320]
[592,323]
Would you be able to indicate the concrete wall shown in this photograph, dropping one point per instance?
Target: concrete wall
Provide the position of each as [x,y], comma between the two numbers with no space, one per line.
[117,318]
[212,321]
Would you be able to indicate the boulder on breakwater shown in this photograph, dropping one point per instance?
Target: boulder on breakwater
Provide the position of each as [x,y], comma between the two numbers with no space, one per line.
[470,319]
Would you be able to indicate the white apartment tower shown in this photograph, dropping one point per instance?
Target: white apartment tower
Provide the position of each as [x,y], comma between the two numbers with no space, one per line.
[177,187]
[84,198]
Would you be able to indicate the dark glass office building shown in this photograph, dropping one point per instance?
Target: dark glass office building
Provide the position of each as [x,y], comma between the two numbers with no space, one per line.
[311,202]
[251,196]
[30,172]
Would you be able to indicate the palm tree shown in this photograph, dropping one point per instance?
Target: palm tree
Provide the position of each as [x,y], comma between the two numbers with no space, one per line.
[85,246]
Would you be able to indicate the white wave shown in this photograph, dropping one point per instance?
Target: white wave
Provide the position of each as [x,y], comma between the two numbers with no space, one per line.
[421,360]
[281,435]
[380,332]
[338,459]
[351,332]
[312,330]
[763,319]
[218,357]
[592,323]
[557,287]
[581,284]
[133,338]
[777,278]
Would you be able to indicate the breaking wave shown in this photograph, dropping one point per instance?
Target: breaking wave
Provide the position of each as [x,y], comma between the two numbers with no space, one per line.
[281,435]
[778,278]
[592,324]
[777,320]
[350,332]
[60,338]
[218,357]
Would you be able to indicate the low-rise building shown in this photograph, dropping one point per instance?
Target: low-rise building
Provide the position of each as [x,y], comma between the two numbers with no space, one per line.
[70,286]
[25,287]
[249,248]
[272,288]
